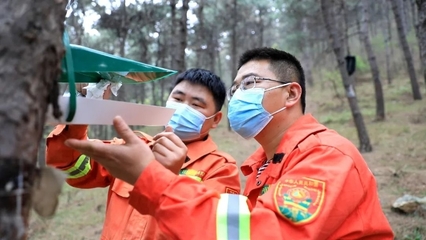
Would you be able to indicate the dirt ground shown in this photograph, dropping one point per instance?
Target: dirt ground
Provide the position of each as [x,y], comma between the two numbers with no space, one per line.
[398,160]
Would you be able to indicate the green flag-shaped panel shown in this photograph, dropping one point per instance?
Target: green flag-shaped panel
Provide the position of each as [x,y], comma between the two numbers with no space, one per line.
[90,66]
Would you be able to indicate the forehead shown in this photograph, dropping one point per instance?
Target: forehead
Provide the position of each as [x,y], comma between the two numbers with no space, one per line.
[191,90]
[259,68]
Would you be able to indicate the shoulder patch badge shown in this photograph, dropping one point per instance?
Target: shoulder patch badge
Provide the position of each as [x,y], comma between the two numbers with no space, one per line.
[299,200]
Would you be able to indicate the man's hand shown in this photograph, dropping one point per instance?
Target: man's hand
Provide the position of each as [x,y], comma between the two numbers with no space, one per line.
[126,161]
[169,150]
[80,87]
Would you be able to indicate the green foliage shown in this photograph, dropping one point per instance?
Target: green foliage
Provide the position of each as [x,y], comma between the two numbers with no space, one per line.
[411,38]
[333,77]
[330,75]
[401,90]
[362,65]
[378,43]
[418,233]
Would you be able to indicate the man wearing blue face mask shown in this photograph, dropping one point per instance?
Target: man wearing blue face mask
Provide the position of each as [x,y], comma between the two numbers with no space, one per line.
[198,96]
[304,182]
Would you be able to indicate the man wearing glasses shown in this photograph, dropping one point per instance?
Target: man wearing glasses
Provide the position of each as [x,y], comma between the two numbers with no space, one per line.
[304,182]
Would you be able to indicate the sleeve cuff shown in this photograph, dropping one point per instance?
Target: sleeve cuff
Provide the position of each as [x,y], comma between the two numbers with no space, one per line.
[150,186]
[70,131]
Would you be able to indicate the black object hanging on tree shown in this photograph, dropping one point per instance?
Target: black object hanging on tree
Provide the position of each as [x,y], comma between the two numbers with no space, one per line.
[350,64]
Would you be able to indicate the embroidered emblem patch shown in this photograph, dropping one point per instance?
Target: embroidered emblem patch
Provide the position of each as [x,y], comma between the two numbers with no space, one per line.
[194,174]
[231,191]
[299,200]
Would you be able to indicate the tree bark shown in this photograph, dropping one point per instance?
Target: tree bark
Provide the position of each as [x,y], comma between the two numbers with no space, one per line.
[181,66]
[122,38]
[421,33]
[173,37]
[202,35]
[31,50]
[234,59]
[402,13]
[405,48]
[387,38]
[307,57]
[378,90]
[78,25]
[413,9]
[327,8]
[124,29]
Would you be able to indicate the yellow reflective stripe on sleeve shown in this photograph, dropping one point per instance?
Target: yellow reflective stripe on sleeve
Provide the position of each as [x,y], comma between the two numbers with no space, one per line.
[232,218]
[80,168]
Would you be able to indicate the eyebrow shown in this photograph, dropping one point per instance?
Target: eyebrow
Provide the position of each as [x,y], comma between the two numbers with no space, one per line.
[179,92]
[250,74]
[200,99]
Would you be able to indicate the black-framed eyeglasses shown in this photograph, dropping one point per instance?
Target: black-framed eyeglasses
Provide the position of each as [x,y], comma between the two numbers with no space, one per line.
[249,83]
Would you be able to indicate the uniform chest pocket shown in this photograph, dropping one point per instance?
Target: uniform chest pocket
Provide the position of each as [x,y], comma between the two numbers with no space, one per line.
[121,188]
[122,220]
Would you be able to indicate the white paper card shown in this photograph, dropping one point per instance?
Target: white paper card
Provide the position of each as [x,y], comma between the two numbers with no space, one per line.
[102,112]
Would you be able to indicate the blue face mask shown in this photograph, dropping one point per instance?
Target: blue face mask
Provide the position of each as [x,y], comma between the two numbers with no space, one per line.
[186,121]
[246,114]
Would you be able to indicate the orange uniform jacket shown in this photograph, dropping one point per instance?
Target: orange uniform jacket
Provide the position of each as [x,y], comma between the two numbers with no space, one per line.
[215,169]
[318,186]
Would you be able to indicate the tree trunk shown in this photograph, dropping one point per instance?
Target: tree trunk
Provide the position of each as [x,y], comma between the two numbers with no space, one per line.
[31,52]
[261,25]
[142,95]
[405,48]
[122,38]
[233,45]
[414,17]
[378,90]
[402,13]
[344,26]
[212,50]
[327,8]
[160,59]
[78,26]
[307,58]
[408,17]
[124,29]
[173,35]
[140,90]
[181,66]
[421,33]
[154,85]
[387,38]
[201,35]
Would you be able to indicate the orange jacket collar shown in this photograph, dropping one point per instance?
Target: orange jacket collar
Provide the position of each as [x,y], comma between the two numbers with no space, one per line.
[301,129]
[198,149]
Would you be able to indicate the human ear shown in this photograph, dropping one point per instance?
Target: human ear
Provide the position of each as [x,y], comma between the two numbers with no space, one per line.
[294,94]
[216,119]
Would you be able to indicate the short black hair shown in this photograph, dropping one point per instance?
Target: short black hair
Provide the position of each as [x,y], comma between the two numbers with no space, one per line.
[207,79]
[283,64]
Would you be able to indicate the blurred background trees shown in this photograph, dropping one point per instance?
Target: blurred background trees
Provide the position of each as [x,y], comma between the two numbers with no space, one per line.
[386,37]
